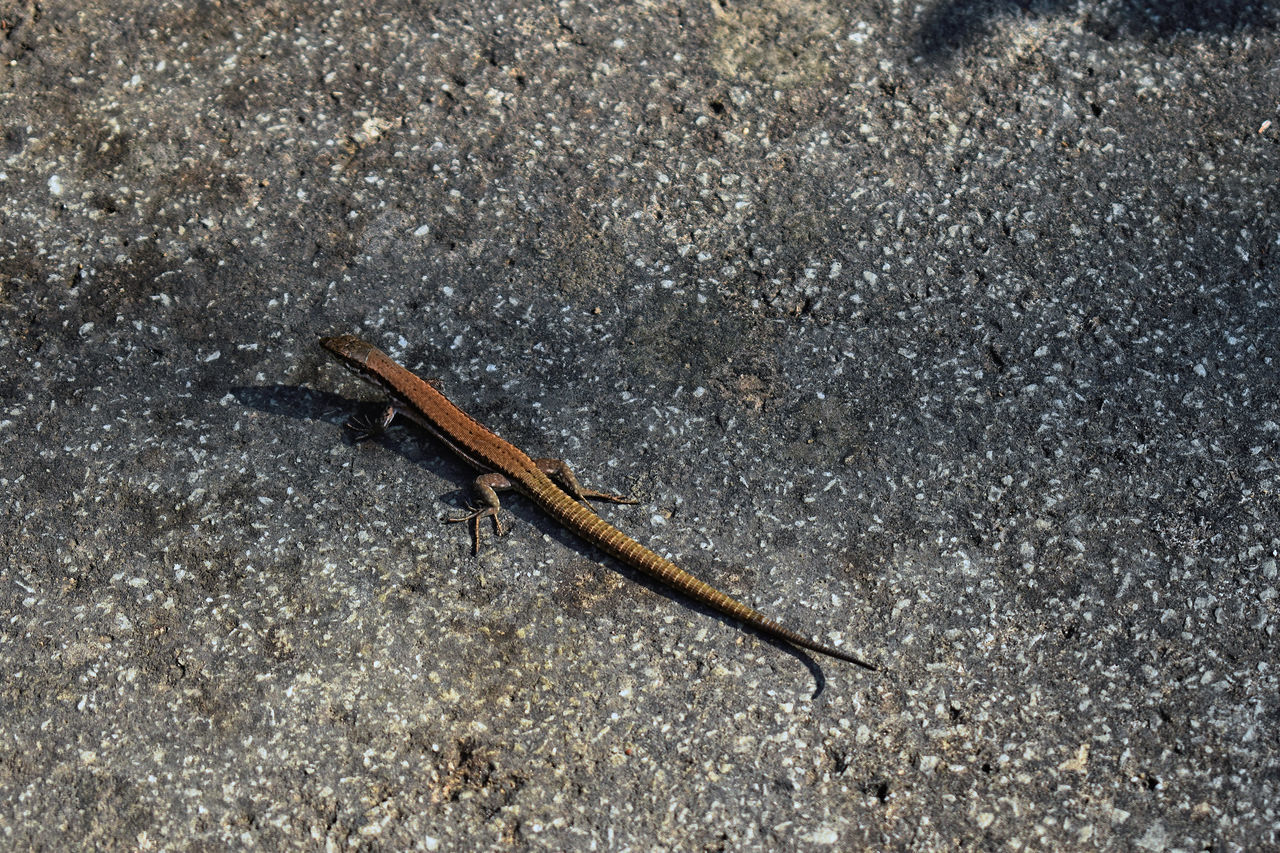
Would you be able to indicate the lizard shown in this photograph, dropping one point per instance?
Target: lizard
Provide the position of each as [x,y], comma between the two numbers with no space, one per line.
[548,483]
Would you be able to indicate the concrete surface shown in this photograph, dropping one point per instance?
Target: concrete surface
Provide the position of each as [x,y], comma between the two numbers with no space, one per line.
[945,331]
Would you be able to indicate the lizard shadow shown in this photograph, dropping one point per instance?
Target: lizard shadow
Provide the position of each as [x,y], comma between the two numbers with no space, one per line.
[425,451]
[290,401]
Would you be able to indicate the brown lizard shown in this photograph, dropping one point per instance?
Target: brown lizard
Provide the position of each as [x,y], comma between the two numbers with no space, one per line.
[549,483]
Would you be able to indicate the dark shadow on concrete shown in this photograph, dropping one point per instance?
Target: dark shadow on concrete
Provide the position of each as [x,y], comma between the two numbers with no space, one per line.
[951,25]
[301,404]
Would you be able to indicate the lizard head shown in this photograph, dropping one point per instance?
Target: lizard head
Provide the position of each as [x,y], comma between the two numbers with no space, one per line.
[349,349]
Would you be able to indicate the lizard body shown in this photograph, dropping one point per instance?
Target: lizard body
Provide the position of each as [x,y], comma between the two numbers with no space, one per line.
[549,483]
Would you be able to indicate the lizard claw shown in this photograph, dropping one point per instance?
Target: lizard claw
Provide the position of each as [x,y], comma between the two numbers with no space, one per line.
[361,428]
[473,516]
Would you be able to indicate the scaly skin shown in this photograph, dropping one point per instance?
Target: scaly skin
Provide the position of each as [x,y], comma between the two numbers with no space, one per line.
[505,466]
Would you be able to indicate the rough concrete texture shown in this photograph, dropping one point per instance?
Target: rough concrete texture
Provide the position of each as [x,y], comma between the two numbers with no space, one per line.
[945,331]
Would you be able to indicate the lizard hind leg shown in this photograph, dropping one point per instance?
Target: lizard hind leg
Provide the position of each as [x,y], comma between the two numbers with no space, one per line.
[559,471]
[486,488]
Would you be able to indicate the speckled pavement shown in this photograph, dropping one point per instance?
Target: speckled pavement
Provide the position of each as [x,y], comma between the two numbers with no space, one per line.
[945,331]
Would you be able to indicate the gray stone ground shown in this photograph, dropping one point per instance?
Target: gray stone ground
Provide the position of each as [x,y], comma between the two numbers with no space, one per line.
[946,331]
